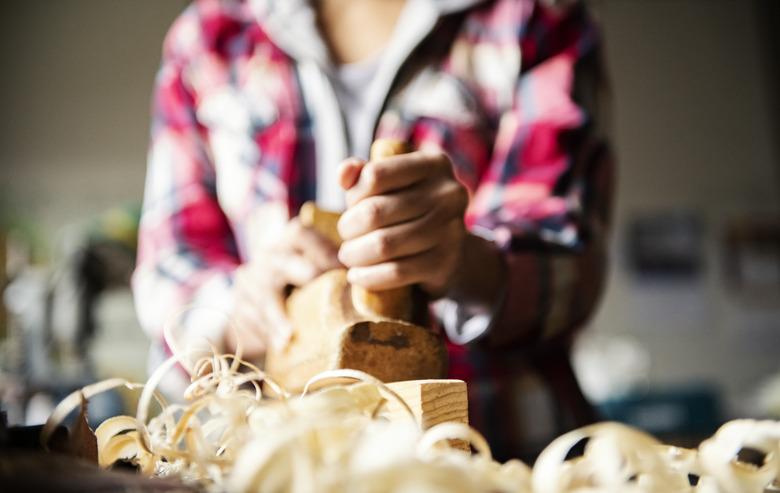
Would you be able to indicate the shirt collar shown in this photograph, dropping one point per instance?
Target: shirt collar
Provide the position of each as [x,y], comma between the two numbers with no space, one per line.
[292,24]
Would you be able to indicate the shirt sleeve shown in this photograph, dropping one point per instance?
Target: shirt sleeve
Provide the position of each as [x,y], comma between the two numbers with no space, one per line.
[187,253]
[545,197]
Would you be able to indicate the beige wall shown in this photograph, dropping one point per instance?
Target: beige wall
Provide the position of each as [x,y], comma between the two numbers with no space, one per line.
[693,131]
[75,98]
[77,76]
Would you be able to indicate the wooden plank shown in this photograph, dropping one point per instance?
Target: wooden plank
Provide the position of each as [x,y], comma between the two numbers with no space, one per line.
[432,401]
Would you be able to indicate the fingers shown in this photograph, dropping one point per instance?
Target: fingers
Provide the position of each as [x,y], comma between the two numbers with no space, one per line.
[292,269]
[397,172]
[445,199]
[441,206]
[314,247]
[246,324]
[259,315]
[258,327]
[349,171]
[396,273]
[279,328]
[380,211]
[431,268]
[392,242]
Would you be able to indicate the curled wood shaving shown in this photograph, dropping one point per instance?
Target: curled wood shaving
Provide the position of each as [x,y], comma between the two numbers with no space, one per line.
[719,456]
[74,399]
[239,431]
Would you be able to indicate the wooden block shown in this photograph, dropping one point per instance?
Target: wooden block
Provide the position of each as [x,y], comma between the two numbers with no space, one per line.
[383,148]
[398,303]
[432,401]
[324,222]
[336,325]
[395,303]
[330,334]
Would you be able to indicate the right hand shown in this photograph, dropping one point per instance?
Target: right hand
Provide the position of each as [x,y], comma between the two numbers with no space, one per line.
[260,287]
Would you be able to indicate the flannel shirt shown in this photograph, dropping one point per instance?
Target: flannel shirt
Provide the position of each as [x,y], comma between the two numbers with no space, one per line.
[511,90]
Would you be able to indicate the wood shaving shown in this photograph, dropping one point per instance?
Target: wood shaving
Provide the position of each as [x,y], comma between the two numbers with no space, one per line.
[241,432]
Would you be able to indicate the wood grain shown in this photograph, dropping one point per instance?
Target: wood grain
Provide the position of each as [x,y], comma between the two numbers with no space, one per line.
[330,334]
[432,401]
[395,303]
[324,222]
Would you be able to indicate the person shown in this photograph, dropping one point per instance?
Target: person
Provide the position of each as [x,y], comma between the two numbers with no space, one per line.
[500,214]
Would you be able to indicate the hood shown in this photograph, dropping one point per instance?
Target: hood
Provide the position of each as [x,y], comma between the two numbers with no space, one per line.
[292,24]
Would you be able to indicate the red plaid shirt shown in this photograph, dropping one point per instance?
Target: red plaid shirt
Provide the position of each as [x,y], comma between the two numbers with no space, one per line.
[508,88]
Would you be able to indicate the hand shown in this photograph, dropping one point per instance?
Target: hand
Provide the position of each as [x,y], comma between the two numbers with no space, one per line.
[259,314]
[404,222]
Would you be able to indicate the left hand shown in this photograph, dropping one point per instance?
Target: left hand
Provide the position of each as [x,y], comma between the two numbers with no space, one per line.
[404,222]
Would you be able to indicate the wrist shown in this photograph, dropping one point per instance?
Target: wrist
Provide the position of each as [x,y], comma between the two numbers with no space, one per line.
[480,276]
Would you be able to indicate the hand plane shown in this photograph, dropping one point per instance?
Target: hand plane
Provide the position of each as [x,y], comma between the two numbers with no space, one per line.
[338,325]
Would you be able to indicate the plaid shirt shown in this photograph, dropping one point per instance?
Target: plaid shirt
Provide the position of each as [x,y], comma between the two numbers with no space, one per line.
[508,88]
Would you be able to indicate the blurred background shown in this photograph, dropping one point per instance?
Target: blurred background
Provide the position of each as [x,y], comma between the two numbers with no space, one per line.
[688,333]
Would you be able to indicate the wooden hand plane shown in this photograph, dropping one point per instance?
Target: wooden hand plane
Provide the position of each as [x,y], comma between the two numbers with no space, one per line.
[338,325]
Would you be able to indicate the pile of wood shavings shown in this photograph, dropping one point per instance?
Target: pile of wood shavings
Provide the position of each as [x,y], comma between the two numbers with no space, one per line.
[232,436]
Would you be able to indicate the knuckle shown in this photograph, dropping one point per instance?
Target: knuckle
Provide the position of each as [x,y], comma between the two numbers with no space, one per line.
[384,245]
[434,153]
[442,160]
[373,213]
[450,188]
[458,230]
[461,196]
[431,221]
[371,175]
[397,271]
[456,194]
[294,229]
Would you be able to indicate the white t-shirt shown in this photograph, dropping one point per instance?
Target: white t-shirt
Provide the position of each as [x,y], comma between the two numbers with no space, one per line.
[350,84]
